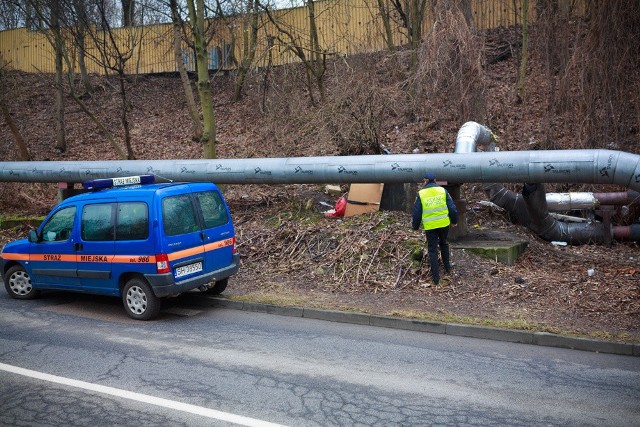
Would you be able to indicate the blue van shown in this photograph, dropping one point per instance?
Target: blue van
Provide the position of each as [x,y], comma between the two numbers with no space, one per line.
[129,238]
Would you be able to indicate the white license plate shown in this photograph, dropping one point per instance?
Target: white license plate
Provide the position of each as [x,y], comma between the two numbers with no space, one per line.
[188,269]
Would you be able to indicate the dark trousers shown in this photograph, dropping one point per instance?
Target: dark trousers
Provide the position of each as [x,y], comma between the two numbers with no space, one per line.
[438,238]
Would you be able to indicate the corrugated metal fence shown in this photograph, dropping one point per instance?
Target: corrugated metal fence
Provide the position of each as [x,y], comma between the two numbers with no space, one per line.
[344,27]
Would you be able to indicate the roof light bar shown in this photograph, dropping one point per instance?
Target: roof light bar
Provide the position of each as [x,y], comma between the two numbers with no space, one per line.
[97,184]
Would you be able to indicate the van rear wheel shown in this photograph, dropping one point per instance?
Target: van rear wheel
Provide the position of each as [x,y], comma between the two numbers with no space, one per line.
[17,282]
[139,300]
[218,287]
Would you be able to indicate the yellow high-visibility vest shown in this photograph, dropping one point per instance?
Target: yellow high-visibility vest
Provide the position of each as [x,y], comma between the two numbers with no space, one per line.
[435,213]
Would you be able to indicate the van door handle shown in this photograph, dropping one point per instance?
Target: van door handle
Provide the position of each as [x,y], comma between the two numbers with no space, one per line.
[77,246]
[203,236]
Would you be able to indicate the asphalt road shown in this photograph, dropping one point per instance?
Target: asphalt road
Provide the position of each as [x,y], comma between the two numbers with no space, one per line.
[68,359]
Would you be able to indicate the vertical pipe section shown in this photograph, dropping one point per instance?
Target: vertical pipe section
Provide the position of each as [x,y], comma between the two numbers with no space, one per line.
[470,135]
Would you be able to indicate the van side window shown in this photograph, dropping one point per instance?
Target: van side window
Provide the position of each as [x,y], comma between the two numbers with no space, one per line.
[98,222]
[213,209]
[178,215]
[59,226]
[133,221]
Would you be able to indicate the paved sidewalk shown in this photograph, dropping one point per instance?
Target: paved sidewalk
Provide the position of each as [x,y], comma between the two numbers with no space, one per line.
[497,334]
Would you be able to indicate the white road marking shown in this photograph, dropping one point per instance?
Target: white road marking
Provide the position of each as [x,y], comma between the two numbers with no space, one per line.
[158,401]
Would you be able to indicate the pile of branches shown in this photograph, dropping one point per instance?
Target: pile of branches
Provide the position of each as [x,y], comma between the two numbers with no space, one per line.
[370,253]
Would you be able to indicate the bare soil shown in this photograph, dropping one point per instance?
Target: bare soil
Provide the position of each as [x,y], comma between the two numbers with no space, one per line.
[293,254]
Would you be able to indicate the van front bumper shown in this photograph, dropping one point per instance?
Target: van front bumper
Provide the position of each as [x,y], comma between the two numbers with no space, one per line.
[164,284]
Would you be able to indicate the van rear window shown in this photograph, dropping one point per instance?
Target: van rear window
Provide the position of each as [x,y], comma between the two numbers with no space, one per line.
[133,221]
[213,209]
[179,216]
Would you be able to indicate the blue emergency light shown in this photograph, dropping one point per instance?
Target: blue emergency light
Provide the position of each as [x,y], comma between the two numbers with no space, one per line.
[97,184]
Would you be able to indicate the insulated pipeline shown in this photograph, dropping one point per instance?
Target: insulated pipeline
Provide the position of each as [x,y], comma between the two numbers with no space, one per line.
[553,166]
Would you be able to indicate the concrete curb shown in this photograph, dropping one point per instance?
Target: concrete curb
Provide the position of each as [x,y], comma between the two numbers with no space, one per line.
[509,335]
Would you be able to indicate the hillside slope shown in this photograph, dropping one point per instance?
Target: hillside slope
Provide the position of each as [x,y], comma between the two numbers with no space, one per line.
[292,254]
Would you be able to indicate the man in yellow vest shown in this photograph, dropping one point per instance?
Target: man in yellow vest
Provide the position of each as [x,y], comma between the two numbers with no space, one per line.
[435,210]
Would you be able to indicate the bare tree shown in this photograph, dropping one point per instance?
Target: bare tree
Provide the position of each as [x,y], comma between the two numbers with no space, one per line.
[128,12]
[80,9]
[178,24]
[605,74]
[408,15]
[385,9]
[197,18]
[6,91]
[524,54]
[308,50]
[112,50]
[250,27]
[48,17]
[450,67]
[551,37]
[58,44]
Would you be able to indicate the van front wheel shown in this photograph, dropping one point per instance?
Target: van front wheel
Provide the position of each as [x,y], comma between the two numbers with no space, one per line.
[139,300]
[17,282]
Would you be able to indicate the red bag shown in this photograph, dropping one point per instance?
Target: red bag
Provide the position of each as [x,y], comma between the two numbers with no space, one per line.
[340,208]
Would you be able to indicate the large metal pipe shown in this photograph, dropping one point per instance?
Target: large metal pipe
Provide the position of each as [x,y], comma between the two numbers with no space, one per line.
[589,201]
[550,229]
[534,214]
[471,134]
[561,166]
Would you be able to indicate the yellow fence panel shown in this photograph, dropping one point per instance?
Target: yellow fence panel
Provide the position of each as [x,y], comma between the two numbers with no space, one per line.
[345,27]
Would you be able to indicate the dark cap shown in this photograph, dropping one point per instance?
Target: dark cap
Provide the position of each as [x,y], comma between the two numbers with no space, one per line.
[430,176]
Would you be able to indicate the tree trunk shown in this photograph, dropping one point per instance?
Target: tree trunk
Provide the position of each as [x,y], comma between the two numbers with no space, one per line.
[124,119]
[196,124]
[196,15]
[465,7]
[249,41]
[82,22]
[386,23]
[522,70]
[22,146]
[128,12]
[61,144]
[318,57]
[84,75]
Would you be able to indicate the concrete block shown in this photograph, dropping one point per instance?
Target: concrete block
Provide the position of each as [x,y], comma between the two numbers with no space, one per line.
[284,310]
[552,340]
[506,252]
[407,324]
[483,332]
[337,316]
[226,303]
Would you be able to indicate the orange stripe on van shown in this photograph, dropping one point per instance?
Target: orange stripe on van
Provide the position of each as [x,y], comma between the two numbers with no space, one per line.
[15,257]
[185,253]
[52,257]
[218,245]
[134,259]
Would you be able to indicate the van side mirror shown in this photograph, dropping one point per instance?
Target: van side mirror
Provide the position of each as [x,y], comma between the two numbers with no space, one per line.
[33,236]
